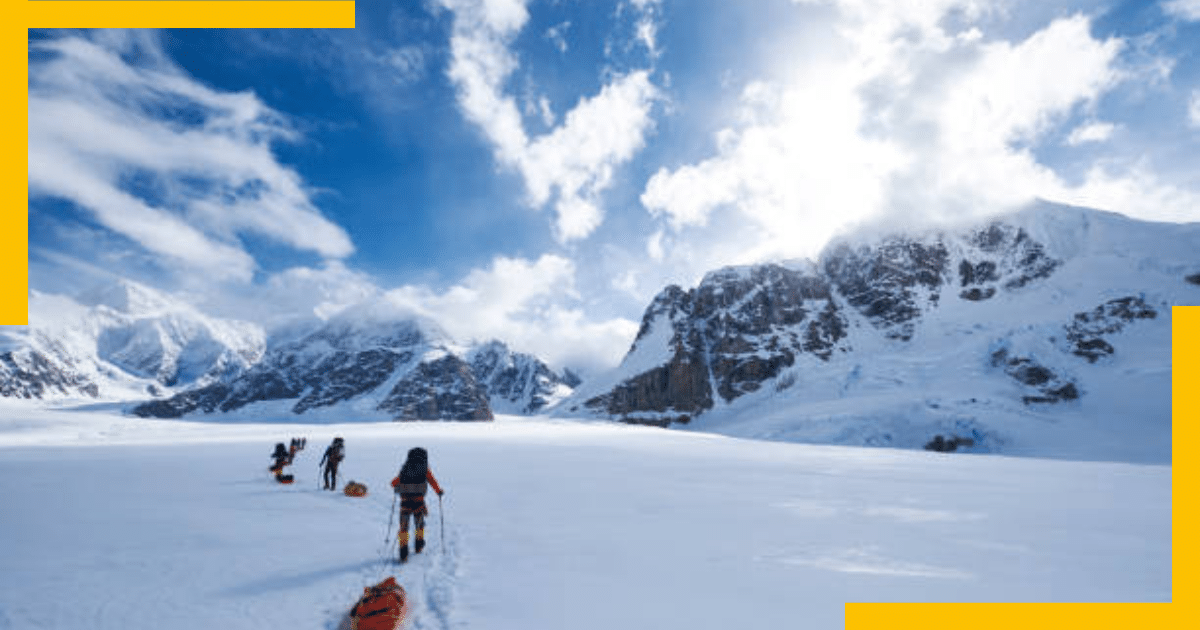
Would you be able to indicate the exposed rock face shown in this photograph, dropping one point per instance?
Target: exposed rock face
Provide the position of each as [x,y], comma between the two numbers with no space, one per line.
[891,283]
[1086,332]
[517,382]
[30,374]
[739,328]
[744,327]
[1042,384]
[442,389]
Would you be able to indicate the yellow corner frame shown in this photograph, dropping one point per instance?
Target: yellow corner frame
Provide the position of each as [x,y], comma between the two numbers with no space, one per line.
[22,15]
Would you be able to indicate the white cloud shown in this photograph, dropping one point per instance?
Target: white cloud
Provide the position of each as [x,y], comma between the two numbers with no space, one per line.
[322,292]
[1183,9]
[1194,109]
[573,164]
[557,35]
[1136,191]
[531,305]
[1094,131]
[916,118]
[177,167]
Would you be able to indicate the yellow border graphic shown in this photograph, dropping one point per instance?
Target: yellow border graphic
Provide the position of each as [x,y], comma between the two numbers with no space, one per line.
[14,244]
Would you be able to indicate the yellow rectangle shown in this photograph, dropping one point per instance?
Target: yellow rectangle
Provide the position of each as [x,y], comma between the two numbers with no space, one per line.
[190,14]
[14,164]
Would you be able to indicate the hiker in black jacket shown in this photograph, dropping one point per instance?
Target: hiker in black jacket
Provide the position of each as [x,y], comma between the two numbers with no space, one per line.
[332,457]
[412,484]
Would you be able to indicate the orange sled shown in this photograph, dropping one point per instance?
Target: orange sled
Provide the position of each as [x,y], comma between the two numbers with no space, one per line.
[355,489]
[382,607]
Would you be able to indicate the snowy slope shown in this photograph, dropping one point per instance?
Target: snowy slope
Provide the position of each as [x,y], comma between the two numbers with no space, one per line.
[517,383]
[119,341]
[1044,333]
[115,523]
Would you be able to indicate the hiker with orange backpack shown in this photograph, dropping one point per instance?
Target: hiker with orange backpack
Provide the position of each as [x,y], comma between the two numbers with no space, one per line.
[282,458]
[411,484]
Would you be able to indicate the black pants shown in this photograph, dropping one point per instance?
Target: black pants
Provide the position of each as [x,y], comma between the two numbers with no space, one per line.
[331,476]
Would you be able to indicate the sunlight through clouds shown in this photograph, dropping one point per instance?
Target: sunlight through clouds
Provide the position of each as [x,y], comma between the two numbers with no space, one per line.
[922,117]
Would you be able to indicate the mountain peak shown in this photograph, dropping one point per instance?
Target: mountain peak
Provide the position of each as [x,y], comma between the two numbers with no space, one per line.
[131,298]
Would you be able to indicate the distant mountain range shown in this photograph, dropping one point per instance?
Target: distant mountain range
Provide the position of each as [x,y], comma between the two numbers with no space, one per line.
[120,341]
[1045,331]
[128,342]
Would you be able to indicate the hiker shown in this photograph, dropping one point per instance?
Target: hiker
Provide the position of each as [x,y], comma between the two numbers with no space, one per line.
[282,458]
[296,446]
[332,457]
[410,484]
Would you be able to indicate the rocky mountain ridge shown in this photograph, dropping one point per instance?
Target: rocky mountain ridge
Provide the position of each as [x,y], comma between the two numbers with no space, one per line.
[1032,314]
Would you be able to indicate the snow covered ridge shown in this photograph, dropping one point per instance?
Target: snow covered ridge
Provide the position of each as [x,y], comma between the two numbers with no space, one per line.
[1054,320]
[379,368]
[121,341]
[127,342]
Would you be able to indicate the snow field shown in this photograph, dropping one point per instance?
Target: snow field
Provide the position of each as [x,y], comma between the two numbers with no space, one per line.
[115,523]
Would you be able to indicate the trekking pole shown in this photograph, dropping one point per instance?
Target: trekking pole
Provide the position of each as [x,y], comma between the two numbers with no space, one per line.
[391,515]
[442,518]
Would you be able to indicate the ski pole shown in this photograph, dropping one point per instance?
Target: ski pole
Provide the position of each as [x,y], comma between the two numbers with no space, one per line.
[442,518]
[391,515]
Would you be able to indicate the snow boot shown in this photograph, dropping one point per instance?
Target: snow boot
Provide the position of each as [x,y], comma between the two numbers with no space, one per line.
[404,553]
[419,546]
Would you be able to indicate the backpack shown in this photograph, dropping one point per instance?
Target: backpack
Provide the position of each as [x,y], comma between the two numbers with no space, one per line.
[412,474]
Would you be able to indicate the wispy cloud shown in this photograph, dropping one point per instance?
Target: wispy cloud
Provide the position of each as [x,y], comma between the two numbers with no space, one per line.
[179,168]
[557,35]
[571,165]
[1183,9]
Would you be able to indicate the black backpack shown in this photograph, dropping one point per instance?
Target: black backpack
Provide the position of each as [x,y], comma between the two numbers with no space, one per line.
[412,474]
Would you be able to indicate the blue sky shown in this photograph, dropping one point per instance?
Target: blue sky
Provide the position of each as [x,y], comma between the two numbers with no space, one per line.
[536,170]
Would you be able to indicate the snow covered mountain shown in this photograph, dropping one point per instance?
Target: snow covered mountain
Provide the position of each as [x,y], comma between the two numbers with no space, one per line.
[373,362]
[119,341]
[518,383]
[1047,331]
[379,363]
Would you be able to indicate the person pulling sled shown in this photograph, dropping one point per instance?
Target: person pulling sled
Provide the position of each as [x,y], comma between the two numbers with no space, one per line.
[282,458]
[296,446]
[412,484]
[330,460]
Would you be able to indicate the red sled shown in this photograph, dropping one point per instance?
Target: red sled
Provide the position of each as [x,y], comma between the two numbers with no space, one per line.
[382,607]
